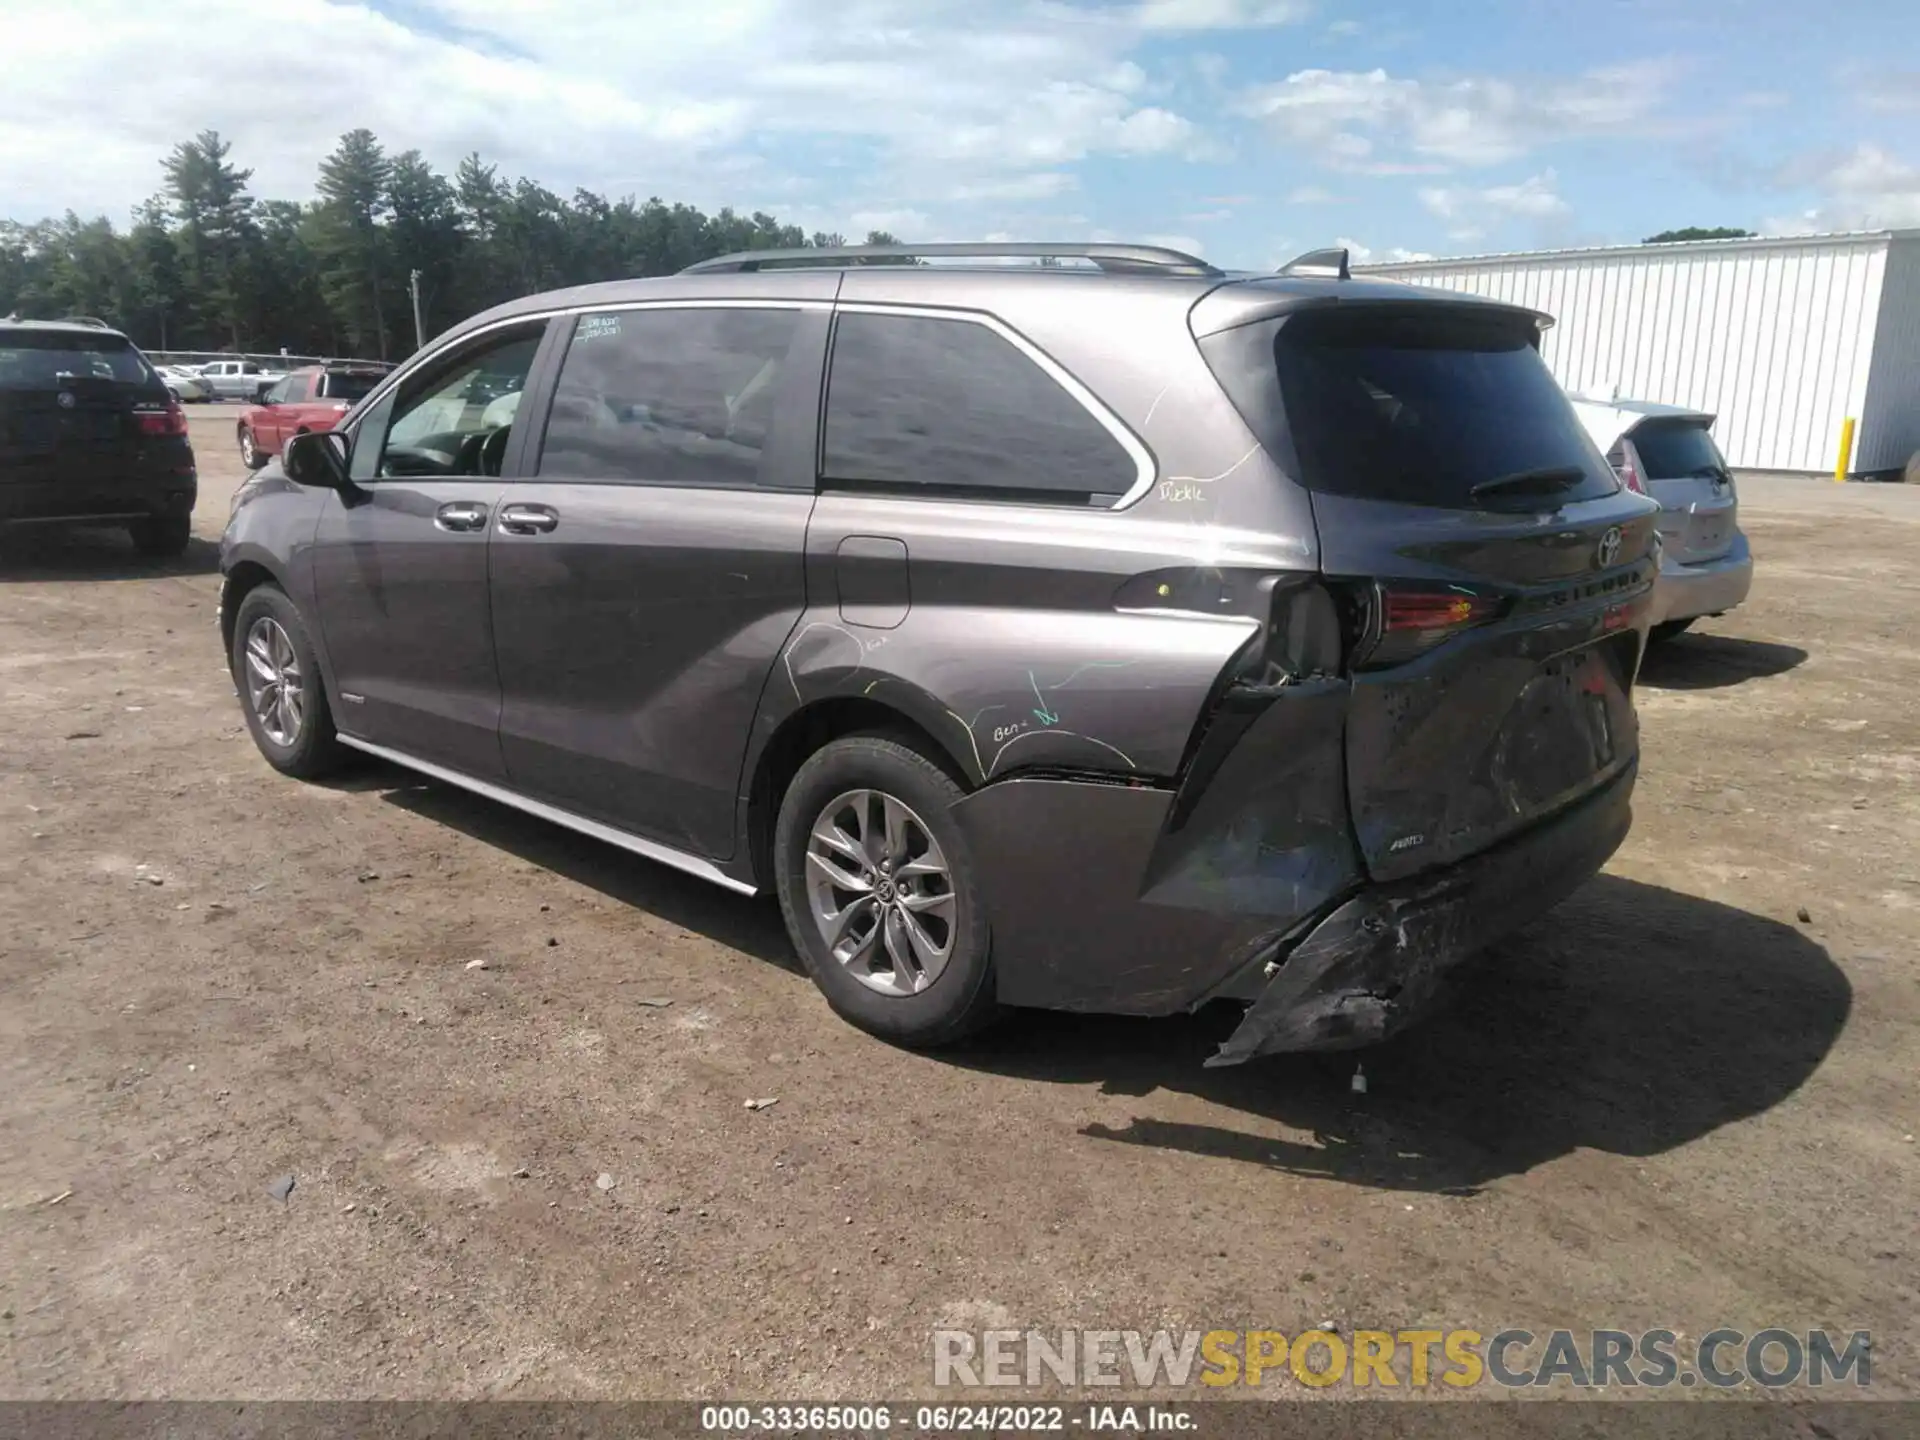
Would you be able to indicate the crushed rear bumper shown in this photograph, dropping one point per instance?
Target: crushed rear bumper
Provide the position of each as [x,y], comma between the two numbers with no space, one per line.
[1374,963]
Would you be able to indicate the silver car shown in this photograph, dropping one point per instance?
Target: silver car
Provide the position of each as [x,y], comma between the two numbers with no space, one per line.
[185,385]
[1667,452]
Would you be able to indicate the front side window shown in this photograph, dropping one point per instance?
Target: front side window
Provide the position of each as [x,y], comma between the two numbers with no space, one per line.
[950,405]
[668,397]
[280,394]
[456,419]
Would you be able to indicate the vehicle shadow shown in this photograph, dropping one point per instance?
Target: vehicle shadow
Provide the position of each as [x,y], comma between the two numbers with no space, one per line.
[94,553]
[1712,662]
[1631,1020]
[751,925]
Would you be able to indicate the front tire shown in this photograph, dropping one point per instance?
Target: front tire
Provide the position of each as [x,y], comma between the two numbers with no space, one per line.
[250,453]
[281,692]
[163,537]
[878,888]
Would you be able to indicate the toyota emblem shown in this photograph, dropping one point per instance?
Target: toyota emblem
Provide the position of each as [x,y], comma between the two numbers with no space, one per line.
[66,399]
[1608,550]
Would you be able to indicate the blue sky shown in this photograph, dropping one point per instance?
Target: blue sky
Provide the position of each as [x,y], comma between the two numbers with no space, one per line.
[1245,129]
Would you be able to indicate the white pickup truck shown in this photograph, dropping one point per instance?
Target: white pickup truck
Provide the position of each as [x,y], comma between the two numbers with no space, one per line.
[240,379]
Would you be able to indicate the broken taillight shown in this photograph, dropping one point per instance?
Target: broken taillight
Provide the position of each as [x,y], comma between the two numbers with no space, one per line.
[1433,610]
[1411,620]
[1629,470]
[152,420]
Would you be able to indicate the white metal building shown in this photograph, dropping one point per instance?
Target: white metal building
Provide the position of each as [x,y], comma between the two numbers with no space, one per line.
[1783,339]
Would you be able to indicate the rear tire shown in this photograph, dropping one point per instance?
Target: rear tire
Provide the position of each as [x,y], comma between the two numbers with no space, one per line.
[1668,630]
[909,885]
[162,537]
[282,694]
[250,453]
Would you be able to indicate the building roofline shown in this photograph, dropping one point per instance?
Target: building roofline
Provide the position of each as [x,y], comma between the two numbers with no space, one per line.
[1750,242]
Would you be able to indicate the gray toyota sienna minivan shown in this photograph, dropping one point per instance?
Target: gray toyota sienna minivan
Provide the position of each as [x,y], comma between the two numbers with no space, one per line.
[1112,634]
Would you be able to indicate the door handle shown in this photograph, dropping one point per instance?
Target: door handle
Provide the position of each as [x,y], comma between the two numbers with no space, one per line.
[461,517]
[528,519]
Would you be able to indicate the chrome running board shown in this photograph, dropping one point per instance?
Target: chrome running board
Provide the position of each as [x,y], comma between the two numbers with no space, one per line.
[647,849]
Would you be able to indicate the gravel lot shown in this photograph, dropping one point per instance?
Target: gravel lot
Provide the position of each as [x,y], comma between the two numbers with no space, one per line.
[1672,1103]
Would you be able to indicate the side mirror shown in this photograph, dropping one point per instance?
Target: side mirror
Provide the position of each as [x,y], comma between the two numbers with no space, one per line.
[318,459]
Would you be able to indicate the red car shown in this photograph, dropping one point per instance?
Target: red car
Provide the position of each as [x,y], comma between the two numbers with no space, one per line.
[310,399]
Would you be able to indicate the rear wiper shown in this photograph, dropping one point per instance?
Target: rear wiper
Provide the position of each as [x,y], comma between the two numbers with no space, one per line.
[1547,480]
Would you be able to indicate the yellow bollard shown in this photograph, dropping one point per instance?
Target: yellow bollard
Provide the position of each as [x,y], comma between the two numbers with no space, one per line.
[1846,449]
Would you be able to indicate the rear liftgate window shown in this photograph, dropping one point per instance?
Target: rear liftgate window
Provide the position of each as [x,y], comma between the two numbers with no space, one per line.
[1677,450]
[42,361]
[1413,407]
[950,407]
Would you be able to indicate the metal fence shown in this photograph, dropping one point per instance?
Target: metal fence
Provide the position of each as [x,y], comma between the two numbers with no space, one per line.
[281,361]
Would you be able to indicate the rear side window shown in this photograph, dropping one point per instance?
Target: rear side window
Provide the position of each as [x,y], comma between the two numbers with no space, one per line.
[1414,406]
[667,397]
[1677,450]
[348,385]
[951,406]
[42,359]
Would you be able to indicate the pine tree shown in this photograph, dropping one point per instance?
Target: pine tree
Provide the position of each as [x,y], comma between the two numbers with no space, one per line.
[354,203]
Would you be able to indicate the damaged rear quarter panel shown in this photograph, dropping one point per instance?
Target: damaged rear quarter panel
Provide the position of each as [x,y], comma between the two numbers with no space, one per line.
[1111,898]
[1010,651]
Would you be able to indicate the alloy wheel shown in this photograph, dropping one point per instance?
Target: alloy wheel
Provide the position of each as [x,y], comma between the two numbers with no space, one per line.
[275,687]
[880,892]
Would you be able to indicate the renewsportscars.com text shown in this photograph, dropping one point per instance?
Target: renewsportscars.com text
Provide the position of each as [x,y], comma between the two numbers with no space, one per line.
[1415,1359]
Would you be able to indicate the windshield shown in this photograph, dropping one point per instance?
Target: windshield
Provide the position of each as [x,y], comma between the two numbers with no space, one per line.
[1422,407]
[1677,450]
[41,360]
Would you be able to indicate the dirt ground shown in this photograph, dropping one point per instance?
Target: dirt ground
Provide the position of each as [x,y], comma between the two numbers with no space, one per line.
[1672,1103]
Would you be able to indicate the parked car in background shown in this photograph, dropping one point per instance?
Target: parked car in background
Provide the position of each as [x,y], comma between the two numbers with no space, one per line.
[90,435]
[311,399]
[1668,453]
[240,379]
[189,387]
[898,591]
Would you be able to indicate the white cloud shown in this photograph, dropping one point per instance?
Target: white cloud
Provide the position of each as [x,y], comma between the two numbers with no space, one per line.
[1346,28]
[1312,195]
[1534,198]
[1187,244]
[1890,90]
[730,101]
[1034,185]
[1475,121]
[1869,189]
[1218,14]
[1358,254]
[903,224]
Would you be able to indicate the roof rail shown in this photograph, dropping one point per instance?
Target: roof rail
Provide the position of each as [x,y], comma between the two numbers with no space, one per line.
[1327,264]
[95,321]
[1113,259]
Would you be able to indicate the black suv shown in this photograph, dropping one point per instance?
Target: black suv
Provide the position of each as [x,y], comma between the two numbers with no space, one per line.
[1110,634]
[89,435]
